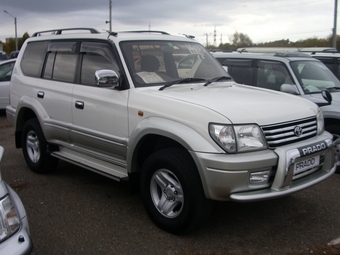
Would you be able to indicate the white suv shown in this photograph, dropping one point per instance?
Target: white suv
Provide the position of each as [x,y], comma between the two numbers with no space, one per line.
[291,72]
[159,111]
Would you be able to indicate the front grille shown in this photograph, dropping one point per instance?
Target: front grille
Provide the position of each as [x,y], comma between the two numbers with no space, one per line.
[284,133]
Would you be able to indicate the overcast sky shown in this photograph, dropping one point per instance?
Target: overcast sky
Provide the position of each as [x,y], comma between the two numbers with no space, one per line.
[261,20]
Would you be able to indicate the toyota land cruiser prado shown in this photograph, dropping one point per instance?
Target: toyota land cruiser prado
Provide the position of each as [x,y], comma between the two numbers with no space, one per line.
[159,111]
[292,72]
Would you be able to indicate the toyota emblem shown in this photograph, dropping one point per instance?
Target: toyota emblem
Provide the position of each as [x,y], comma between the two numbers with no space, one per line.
[298,131]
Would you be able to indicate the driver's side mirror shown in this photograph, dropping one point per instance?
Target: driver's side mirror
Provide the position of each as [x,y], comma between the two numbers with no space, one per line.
[289,88]
[327,96]
[106,78]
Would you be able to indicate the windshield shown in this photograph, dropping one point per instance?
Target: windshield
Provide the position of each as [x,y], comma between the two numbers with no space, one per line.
[158,62]
[314,76]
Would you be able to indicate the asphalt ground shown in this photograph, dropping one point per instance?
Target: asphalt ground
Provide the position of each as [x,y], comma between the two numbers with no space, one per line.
[74,211]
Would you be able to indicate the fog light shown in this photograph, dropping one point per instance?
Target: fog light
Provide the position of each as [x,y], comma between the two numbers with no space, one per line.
[261,177]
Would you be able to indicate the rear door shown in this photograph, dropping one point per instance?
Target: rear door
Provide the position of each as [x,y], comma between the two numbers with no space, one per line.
[54,89]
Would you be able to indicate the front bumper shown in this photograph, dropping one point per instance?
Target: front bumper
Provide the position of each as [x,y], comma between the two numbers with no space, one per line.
[226,176]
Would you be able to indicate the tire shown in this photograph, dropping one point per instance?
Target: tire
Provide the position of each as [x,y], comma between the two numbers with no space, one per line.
[335,131]
[172,192]
[34,148]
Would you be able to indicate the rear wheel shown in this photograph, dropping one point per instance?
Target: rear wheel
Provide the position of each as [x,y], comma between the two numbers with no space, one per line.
[34,147]
[172,192]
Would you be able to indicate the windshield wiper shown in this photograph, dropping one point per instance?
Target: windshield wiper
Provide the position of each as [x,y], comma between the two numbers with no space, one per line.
[219,78]
[184,80]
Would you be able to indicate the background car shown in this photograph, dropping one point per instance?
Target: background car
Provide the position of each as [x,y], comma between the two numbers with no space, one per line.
[6,68]
[14,228]
[296,73]
[331,60]
[3,56]
[14,54]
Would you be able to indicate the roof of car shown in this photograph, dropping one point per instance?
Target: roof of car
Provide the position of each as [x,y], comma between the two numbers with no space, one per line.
[79,33]
[283,56]
[324,54]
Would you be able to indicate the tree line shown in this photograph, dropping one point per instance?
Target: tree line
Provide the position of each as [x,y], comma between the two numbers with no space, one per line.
[9,46]
[240,40]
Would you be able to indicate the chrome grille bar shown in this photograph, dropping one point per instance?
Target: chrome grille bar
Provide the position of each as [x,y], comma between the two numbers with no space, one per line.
[283,133]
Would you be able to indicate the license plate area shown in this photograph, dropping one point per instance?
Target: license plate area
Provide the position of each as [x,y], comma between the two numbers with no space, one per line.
[306,164]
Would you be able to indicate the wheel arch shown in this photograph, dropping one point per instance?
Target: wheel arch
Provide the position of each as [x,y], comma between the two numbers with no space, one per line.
[28,108]
[155,134]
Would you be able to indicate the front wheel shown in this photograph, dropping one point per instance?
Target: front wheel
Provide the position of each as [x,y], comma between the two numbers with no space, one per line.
[172,192]
[34,147]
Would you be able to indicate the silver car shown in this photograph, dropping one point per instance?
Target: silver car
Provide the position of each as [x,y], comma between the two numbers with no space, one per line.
[6,68]
[14,229]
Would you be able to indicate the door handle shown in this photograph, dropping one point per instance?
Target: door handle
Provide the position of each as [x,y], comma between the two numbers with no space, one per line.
[79,105]
[40,94]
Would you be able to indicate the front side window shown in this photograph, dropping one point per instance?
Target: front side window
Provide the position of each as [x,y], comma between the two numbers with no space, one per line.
[314,76]
[241,70]
[157,62]
[272,74]
[95,56]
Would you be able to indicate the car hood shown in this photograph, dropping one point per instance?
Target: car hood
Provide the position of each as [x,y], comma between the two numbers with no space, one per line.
[241,103]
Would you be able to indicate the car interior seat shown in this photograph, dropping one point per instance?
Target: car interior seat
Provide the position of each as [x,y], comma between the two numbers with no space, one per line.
[149,63]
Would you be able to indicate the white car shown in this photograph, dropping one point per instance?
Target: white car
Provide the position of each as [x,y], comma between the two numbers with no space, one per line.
[184,133]
[14,228]
[6,68]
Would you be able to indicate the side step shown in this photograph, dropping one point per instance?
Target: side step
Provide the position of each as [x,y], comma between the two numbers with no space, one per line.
[110,170]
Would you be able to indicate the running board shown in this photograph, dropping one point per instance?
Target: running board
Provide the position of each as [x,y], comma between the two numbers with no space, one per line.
[101,167]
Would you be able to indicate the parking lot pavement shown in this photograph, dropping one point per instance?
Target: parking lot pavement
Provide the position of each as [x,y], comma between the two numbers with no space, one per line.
[74,211]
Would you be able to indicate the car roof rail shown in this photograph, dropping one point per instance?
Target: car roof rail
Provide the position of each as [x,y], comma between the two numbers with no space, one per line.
[146,31]
[292,54]
[59,31]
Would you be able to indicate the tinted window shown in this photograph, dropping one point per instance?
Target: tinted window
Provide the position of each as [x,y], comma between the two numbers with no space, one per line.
[241,70]
[33,58]
[272,74]
[61,61]
[329,62]
[96,56]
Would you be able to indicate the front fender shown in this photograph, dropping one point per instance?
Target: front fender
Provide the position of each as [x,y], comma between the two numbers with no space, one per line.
[188,137]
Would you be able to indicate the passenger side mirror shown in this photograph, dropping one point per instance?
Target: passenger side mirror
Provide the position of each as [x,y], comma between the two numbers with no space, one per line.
[289,88]
[106,78]
[327,96]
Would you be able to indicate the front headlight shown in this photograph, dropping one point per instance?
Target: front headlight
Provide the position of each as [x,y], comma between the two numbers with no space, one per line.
[238,138]
[9,220]
[320,122]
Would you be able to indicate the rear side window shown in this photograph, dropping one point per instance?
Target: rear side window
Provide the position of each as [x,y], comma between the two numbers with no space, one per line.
[33,58]
[61,61]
